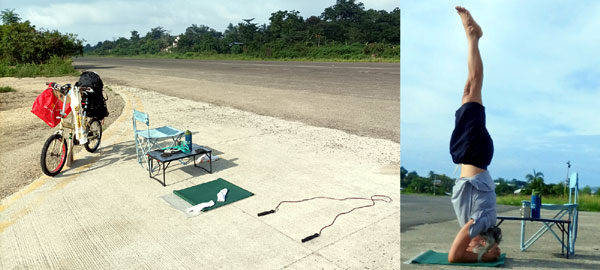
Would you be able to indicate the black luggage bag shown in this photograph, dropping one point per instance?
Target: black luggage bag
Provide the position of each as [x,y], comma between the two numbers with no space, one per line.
[95,103]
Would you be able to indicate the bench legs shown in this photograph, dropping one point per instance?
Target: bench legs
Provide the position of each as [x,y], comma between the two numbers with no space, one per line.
[164,168]
[165,165]
[209,154]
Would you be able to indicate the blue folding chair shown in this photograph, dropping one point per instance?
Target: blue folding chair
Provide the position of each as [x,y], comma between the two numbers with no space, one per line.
[147,139]
[569,209]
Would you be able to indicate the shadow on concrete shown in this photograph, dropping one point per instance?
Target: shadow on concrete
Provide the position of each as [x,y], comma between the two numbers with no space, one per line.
[187,166]
[125,152]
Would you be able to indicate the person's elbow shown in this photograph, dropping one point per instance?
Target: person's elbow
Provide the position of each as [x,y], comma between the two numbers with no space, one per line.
[453,258]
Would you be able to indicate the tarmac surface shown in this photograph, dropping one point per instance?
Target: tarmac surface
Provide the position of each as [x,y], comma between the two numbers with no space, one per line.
[438,234]
[105,212]
[360,98]
[424,209]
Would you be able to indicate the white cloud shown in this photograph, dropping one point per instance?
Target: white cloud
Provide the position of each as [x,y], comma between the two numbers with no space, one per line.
[104,20]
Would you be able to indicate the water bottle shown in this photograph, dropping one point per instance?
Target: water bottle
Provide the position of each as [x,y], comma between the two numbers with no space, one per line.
[536,203]
[188,139]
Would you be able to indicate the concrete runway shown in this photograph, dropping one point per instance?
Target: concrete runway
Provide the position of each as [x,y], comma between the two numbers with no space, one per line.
[105,212]
[359,98]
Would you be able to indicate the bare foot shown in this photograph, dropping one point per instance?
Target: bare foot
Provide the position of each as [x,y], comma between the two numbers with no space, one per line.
[472,29]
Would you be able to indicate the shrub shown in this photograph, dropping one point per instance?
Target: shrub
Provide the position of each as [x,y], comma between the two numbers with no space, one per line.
[5,89]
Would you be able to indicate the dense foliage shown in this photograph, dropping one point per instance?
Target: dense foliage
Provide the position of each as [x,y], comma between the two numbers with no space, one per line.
[21,43]
[345,30]
[412,182]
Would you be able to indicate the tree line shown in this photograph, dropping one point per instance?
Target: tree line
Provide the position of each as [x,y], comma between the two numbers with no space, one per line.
[442,184]
[344,30]
[22,43]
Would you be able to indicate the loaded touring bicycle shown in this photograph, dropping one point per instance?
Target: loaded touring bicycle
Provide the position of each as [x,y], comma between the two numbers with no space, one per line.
[53,106]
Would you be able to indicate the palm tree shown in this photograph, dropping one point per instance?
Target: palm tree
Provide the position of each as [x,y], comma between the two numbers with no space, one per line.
[535,176]
[535,180]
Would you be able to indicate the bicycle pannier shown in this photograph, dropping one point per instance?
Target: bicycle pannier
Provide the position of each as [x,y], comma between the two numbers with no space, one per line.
[47,107]
[95,104]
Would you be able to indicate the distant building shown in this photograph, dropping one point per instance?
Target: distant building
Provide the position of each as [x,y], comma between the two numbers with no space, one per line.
[517,184]
[176,42]
[513,183]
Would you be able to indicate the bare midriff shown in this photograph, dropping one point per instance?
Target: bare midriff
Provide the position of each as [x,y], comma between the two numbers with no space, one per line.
[467,170]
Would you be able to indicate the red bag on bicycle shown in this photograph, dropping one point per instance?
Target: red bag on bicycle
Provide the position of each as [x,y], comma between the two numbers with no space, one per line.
[47,107]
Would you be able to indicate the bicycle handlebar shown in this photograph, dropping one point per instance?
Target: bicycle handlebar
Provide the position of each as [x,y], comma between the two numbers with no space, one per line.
[86,89]
[65,88]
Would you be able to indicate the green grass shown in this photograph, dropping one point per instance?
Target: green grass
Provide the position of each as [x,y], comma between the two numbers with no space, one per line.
[315,57]
[6,89]
[586,202]
[55,67]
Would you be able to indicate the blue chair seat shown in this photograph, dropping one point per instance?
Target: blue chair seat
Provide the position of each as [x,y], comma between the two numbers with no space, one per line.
[159,133]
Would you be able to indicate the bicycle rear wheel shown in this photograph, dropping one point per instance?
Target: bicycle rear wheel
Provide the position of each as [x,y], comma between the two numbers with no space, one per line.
[54,155]
[94,133]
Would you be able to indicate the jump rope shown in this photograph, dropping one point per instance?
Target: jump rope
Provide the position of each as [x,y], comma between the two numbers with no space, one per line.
[373,199]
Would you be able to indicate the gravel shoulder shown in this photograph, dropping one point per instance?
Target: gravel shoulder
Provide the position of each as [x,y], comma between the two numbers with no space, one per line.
[23,133]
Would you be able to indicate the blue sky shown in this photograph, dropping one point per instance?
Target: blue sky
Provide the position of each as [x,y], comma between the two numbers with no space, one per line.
[541,85]
[104,20]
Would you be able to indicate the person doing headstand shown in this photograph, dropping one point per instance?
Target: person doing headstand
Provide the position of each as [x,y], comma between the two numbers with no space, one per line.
[473,195]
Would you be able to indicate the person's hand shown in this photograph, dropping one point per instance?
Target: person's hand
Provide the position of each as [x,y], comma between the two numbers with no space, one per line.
[493,254]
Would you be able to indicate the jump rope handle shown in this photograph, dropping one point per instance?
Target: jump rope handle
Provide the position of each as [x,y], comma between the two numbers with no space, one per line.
[266,213]
[310,237]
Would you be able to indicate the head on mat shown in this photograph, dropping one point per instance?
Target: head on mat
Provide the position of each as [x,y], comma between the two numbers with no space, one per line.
[483,242]
[471,146]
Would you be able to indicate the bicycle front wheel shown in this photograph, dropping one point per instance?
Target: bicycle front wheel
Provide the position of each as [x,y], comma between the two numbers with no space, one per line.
[54,155]
[94,133]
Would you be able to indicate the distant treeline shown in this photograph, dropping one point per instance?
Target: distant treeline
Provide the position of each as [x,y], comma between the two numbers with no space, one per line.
[29,52]
[345,30]
[21,43]
[412,182]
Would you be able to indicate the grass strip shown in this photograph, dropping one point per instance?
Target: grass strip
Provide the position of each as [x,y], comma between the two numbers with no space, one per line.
[242,57]
[586,202]
[55,67]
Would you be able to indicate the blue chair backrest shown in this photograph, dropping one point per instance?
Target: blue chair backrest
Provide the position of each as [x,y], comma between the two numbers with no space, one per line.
[141,116]
[573,187]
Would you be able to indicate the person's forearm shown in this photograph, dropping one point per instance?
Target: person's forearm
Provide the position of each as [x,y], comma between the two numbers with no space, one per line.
[472,257]
[467,257]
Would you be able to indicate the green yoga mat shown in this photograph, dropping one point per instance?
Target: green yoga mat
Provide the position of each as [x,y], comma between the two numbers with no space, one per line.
[432,257]
[208,191]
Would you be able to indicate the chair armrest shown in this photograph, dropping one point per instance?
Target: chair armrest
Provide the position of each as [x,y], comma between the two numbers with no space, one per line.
[550,206]
[558,206]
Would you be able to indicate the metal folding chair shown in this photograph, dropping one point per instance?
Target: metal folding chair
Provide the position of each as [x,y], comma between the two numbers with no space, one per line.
[147,139]
[569,209]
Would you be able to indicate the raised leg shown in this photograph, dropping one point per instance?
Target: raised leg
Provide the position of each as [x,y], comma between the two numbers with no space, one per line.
[472,91]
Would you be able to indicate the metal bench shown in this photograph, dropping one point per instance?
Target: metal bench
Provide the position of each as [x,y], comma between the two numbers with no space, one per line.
[164,160]
[562,224]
